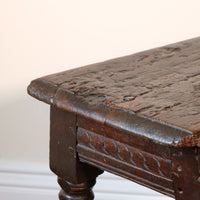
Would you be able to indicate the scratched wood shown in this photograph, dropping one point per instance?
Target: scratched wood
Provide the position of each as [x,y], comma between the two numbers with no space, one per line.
[137,116]
[161,84]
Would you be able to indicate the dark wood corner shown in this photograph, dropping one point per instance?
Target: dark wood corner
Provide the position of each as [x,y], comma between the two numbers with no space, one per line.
[136,116]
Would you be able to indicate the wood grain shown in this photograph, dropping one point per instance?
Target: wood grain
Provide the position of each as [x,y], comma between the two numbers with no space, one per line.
[161,84]
[75,178]
[127,161]
[137,116]
[186,173]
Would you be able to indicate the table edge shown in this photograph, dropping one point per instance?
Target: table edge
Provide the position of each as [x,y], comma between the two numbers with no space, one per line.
[157,131]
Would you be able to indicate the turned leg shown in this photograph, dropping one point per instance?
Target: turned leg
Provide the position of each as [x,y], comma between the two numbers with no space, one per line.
[81,191]
[78,191]
[75,178]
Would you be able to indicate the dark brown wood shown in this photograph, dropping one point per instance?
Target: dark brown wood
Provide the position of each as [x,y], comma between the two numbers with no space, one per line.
[186,173]
[75,178]
[137,116]
[161,84]
[127,161]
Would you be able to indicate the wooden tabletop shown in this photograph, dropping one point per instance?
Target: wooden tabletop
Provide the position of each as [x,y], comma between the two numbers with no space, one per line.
[161,86]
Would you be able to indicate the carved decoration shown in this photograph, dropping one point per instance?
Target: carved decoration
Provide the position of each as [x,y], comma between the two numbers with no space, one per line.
[125,153]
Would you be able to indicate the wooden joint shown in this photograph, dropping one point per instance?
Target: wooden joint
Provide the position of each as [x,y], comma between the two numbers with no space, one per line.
[185,173]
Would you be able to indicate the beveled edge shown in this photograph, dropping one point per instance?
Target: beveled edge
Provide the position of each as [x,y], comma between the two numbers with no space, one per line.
[155,130]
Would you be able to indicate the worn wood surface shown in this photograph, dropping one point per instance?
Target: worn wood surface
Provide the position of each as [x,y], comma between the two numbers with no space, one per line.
[75,178]
[145,168]
[186,173]
[161,84]
[137,116]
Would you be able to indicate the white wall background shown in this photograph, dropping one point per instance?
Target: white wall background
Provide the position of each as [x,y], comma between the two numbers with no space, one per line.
[39,37]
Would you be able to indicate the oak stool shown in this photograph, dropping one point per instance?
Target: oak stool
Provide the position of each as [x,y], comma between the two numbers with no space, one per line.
[136,116]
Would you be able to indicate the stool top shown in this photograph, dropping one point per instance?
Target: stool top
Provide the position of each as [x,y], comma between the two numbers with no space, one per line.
[158,87]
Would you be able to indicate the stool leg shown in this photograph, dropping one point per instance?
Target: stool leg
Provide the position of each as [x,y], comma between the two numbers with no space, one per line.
[82,191]
[75,178]
[186,173]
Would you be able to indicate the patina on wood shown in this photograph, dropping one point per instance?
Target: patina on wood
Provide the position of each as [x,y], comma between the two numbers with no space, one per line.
[75,178]
[161,84]
[137,116]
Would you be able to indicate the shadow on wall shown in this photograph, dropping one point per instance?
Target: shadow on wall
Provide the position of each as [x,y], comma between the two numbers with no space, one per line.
[24,130]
